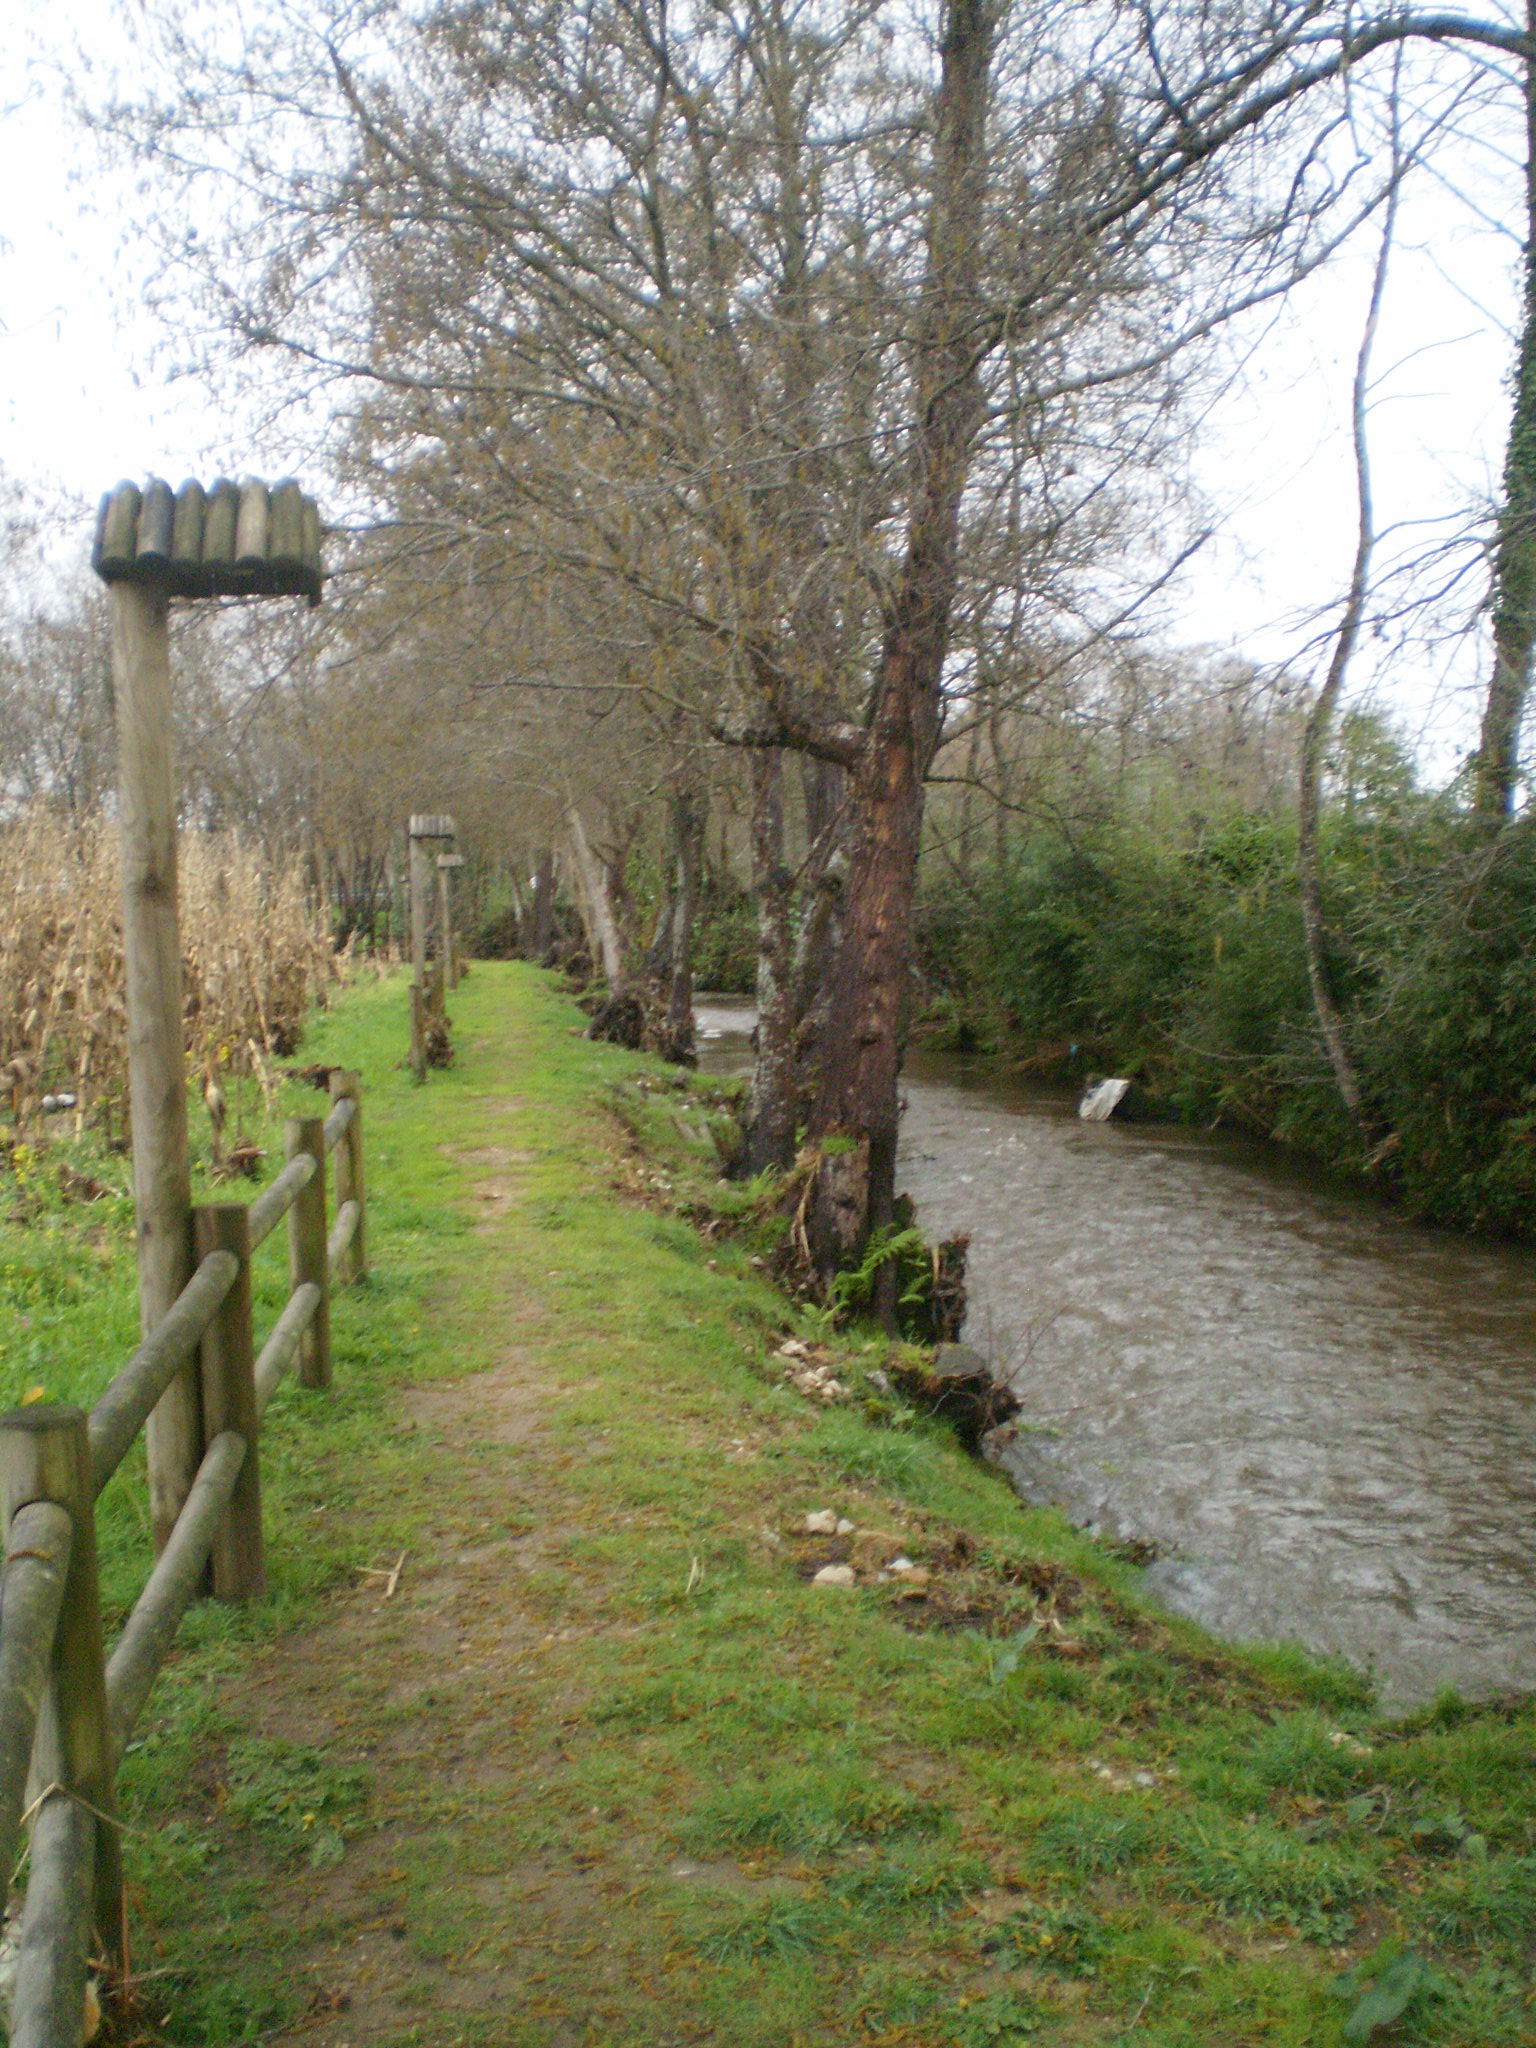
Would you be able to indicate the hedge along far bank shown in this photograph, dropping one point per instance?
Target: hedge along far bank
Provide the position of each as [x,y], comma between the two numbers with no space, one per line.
[1181,965]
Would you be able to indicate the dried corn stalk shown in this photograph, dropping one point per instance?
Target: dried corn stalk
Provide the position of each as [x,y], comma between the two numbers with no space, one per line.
[256,956]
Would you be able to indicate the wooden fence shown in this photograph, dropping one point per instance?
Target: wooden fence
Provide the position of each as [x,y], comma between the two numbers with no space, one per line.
[67,1709]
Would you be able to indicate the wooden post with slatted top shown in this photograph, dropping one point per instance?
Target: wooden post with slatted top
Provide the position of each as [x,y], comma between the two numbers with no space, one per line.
[423,830]
[155,547]
[446,864]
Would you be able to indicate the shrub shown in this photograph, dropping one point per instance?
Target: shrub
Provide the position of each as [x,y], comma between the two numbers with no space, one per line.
[1179,961]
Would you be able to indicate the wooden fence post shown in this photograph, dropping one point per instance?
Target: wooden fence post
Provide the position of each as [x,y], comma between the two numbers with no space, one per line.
[421,911]
[422,827]
[418,1031]
[444,927]
[306,1250]
[350,1183]
[157,1082]
[448,952]
[45,1454]
[228,1360]
[446,863]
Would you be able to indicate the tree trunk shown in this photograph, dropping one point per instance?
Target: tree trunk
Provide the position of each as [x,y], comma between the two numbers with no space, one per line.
[667,976]
[1314,743]
[965,864]
[771,1114]
[824,786]
[541,934]
[818,929]
[692,821]
[856,1103]
[1495,765]
[597,907]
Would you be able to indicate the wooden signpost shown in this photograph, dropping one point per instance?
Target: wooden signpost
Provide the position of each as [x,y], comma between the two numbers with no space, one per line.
[153,545]
[446,863]
[422,831]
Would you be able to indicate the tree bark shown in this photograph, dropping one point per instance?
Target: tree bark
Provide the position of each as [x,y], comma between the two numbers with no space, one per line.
[1496,764]
[692,818]
[818,927]
[856,1099]
[597,905]
[667,976]
[771,1114]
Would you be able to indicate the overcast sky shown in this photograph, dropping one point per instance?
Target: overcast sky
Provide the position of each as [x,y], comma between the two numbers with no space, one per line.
[85,395]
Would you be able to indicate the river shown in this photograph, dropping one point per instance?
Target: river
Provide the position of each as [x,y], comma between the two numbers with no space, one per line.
[1321,1416]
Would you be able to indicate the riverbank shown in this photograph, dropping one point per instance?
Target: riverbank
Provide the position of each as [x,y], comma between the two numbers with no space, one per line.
[600,1763]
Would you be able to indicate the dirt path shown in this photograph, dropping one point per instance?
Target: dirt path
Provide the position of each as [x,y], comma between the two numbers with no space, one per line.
[440,1689]
[467,1889]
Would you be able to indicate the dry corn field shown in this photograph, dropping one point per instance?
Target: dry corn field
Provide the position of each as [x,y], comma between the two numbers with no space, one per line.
[255,955]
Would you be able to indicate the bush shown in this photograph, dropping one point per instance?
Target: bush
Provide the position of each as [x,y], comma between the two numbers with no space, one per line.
[725,939]
[499,936]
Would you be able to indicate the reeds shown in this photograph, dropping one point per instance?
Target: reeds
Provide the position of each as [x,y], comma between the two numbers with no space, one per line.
[255,955]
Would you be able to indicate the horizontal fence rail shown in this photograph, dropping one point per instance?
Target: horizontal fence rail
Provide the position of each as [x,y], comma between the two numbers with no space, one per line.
[276,1355]
[67,1710]
[339,1122]
[177,1577]
[343,1230]
[124,1408]
[273,1203]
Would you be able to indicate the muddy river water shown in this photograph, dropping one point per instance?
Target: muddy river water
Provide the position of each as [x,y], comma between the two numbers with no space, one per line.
[1322,1416]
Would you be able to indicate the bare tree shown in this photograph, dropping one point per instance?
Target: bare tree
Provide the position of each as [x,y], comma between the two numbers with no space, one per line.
[1320,720]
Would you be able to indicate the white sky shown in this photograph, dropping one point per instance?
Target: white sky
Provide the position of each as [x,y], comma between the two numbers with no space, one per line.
[84,398]
[1278,463]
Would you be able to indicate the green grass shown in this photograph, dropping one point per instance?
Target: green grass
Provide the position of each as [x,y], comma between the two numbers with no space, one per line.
[608,1770]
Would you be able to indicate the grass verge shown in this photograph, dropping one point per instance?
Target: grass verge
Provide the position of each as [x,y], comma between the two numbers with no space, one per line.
[608,1767]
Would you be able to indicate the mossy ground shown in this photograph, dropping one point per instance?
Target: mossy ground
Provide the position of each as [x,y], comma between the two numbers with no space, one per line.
[606,1768]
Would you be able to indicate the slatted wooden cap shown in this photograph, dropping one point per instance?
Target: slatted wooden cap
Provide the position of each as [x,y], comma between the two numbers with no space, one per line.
[430,825]
[231,540]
